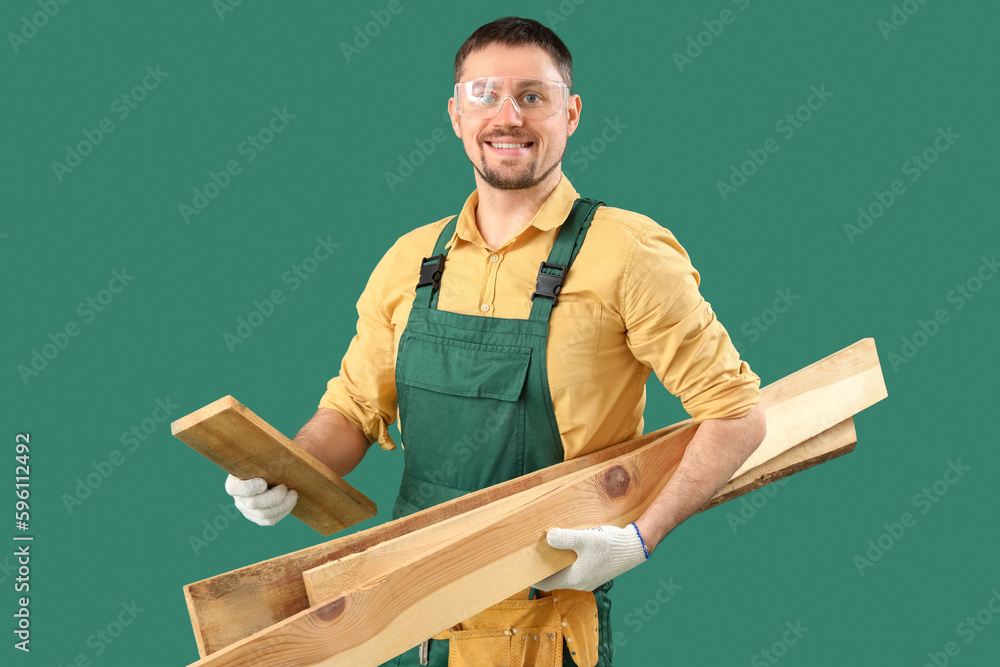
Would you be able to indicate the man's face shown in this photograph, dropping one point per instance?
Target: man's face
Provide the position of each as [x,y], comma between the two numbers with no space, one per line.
[514,168]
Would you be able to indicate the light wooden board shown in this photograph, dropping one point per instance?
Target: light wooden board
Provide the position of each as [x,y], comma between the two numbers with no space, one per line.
[851,379]
[243,444]
[821,395]
[466,574]
[233,605]
[436,588]
[337,578]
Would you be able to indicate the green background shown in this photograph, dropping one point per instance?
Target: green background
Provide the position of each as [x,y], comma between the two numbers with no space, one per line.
[324,176]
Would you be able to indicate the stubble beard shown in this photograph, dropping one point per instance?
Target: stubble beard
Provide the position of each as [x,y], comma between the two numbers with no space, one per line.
[522,181]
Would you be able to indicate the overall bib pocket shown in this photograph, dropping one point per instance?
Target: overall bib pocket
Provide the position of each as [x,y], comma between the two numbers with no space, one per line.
[481,386]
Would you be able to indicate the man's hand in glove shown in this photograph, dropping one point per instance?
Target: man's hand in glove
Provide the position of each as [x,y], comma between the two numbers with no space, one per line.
[262,505]
[602,554]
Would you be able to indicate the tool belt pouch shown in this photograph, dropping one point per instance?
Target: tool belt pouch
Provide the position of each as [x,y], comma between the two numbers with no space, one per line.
[511,633]
[527,633]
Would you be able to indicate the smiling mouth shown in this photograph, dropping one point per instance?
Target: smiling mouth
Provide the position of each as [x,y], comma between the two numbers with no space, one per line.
[510,146]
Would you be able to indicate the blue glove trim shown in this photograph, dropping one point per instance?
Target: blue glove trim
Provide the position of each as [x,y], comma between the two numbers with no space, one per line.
[644,550]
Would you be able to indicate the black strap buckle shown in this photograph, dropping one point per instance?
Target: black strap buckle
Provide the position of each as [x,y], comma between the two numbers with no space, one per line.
[430,274]
[548,285]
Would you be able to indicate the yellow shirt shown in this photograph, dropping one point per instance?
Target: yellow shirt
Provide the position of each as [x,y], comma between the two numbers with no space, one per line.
[629,305]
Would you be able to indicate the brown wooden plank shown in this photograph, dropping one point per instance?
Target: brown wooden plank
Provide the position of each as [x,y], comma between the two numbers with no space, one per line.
[478,567]
[851,379]
[466,574]
[241,443]
[337,578]
[234,605]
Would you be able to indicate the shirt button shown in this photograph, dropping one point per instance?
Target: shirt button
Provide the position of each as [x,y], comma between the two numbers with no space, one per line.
[494,257]
[485,307]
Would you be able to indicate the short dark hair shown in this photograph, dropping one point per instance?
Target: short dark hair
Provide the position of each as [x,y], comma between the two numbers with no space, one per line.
[515,31]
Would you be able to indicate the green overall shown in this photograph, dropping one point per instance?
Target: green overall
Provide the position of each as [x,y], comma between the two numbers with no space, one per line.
[474,402]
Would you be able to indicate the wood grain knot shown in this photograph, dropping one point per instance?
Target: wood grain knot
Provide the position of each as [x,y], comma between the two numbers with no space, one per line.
[330,611]
[617,481]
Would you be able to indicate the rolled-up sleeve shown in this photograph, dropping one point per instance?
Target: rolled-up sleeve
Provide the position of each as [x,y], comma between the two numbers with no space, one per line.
[365,390]
[674,331]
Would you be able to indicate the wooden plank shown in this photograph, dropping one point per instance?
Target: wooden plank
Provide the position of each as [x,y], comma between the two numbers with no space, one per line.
[475,569]
[240,442]
[466,574]
[231,606]
[335,579]
[851,379]
[777,394]
[265,593]
[854,375]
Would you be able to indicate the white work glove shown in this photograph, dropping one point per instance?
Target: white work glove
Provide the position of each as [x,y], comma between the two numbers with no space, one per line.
[602,553]
[263,506]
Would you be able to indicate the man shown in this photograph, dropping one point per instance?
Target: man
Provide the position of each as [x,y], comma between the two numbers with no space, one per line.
[498,367]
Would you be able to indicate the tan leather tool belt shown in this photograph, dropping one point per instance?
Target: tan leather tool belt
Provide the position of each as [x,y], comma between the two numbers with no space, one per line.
[522,632]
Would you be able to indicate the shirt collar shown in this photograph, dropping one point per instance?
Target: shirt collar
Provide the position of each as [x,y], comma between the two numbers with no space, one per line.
[551,213]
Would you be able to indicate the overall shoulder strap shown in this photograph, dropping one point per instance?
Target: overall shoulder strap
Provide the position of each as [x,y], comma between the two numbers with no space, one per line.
[431,269]
[552,272]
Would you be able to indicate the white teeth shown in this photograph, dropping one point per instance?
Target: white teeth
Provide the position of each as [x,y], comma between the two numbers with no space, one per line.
[510,145]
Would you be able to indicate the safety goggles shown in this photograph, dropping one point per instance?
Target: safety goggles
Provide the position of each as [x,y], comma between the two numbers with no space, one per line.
[536,99]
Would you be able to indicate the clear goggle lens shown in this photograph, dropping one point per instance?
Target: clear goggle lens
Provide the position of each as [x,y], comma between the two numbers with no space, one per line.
[532,98]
